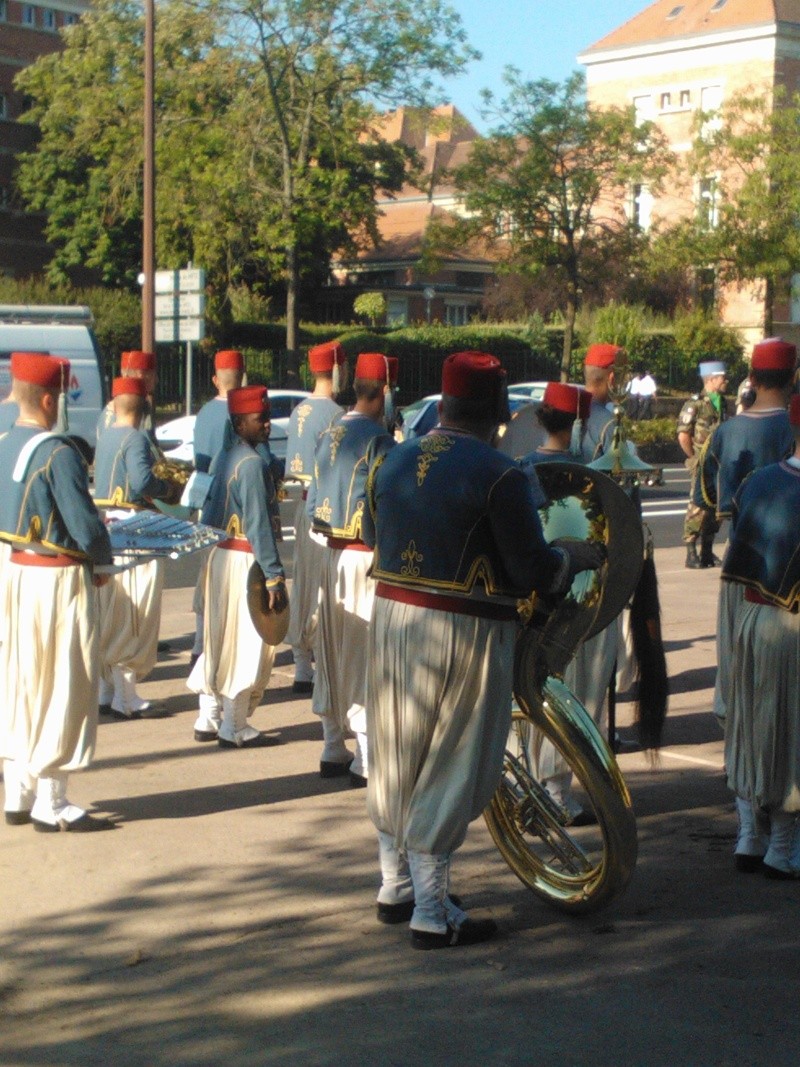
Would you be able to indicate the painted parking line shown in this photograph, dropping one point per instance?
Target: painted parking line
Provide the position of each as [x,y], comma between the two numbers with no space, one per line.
[716,764]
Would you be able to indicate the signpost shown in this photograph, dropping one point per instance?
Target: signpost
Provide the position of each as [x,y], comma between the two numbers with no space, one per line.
[180,306]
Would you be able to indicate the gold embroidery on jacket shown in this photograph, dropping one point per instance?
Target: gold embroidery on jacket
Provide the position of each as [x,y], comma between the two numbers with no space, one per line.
[412,557]
[431,448]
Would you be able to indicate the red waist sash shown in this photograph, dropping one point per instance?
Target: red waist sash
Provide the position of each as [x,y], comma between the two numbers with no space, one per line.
[459,605]
[36,559]
[752,596]
[236,544]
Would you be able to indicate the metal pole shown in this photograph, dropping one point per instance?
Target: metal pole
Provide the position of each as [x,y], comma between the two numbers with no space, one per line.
[188,377]
[149,182]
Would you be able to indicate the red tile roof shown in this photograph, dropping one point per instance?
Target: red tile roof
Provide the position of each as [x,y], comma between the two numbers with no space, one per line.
[691,17]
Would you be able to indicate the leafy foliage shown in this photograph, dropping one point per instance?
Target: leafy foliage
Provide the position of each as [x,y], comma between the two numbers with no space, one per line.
[371,306]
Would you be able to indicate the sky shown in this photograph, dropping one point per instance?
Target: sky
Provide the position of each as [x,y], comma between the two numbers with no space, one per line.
[540,37]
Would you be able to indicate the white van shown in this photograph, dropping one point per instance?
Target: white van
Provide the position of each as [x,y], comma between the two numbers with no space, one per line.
[61,331]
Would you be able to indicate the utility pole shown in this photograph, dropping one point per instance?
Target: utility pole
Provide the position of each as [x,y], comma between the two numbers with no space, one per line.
[149,182]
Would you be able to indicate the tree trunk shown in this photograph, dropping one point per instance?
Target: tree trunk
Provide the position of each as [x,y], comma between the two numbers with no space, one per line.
[569,333]
[292,285]
[769,301]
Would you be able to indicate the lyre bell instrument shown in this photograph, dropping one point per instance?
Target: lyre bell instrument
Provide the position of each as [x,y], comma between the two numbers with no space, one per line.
[575,869]
[146,534]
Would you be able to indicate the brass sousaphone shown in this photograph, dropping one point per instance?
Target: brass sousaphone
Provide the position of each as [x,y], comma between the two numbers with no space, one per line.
[577,869]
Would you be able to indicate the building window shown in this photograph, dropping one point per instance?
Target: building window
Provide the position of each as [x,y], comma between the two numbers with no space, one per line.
[707,202]
[28,15]
[710,104]
[641,207]
[674,13]
[719,5]
[3,106]
[686,97]
[666,100]
[642,109]
[70,19]
[3,11]
[397,311]
[49,18]
[456,314]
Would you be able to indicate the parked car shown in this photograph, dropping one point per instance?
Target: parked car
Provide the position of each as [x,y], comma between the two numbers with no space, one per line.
[421,416]
[176,437]
[533,390]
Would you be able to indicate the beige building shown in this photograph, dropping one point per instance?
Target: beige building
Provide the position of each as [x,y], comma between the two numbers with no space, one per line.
[675,58]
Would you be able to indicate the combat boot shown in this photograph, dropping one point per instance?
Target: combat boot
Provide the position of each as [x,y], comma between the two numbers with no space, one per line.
[707,557]
[692,558]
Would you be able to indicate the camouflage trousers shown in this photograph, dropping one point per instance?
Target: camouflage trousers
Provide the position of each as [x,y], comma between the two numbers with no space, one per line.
[699,523]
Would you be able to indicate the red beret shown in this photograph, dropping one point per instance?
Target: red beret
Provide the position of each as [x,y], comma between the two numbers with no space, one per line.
[472,375]
[128,387]
[794,409]
[138,361]
[394,368]
[774,354]
[373,365]
[322,358]
[571,399]
[248,399]
[604,356]
[229,359]
[50,372]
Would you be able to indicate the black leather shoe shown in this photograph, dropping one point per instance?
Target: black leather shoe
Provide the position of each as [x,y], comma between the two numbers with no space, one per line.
[259,741]
[471,932]
[86,824]
[748,864]
[777,875]
[120,716]
[357,781]
[583,818]
[330,769]
[18,818]
[206,735]
[305,688]
[392,914]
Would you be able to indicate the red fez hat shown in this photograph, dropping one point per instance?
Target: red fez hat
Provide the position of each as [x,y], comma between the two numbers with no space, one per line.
[472,375]
[38,368]
[373,365]
[604,356]
[571,399]
[230,359]
[794,409]
[138,361]
[128,387]
[774,354]
[248,399]
[394,368]
[322,358]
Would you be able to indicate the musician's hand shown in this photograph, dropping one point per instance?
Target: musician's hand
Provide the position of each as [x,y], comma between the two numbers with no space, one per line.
[99,580]
[583,555]
[277,597]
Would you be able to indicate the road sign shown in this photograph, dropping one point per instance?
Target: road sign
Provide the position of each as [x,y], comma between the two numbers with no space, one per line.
[180,305]
[171,330]
[191,280]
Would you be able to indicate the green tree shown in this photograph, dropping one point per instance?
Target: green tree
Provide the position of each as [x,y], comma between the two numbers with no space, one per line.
[371,306]
[745,168]
[544,189]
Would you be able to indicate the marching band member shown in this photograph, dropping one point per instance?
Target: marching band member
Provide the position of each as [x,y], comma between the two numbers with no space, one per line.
[209,437]
[335,504]
[457,542]
[135,365]
[758,436]
[599,376]
[49,653]
[235,666]
[762,734]
[212,418]
[130,604]
[328,364]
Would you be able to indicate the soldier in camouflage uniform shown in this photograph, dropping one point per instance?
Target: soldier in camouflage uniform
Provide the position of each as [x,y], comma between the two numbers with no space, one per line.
[697,420]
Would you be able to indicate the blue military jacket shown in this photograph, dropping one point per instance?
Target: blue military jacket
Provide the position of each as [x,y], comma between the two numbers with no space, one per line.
[123,469]
[306,423]
[449,514]
[344,455]
[209,431]
[764,552]
[598,432]
[108,418]
[50,506]
[743,444]
[243,502]
[9,413]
